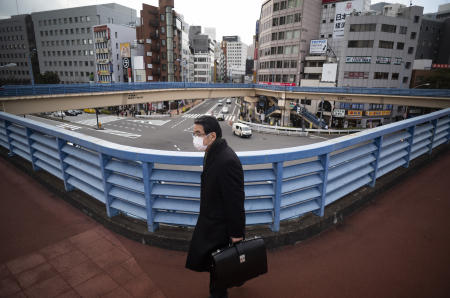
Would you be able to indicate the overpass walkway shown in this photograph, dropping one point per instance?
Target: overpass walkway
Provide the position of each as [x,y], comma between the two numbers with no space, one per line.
[397,246]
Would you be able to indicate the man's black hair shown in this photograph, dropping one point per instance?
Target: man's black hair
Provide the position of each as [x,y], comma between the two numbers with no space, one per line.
[210,124]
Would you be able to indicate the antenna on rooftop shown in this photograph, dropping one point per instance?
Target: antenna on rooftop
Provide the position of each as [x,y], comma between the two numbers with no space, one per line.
[410,2]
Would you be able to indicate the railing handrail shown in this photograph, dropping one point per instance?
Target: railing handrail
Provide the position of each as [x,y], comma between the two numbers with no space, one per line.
[196,158]
[21,90]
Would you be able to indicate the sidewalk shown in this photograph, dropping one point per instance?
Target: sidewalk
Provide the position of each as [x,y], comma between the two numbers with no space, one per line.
[396,247]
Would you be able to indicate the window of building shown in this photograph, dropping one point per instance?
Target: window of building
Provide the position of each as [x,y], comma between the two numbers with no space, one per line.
[275,22]
[162,17]
[363,27]
[413,35]
[384,44]
[276,6]
[324,21]
[380,75]
[360,43]
[416,19]
[400,45]
[410,50]
[281,35]
[274,36]
[405,80]
[388,28]
[282,5]
[408,65]
[394,76]
[282,20]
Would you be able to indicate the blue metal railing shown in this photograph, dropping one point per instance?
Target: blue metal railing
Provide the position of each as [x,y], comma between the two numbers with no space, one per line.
[23,90]
[163,187]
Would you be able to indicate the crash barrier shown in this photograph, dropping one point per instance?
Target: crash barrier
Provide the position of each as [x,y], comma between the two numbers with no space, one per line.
[163,187]
[25,90]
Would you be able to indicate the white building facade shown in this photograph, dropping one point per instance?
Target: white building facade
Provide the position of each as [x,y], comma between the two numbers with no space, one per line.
[236,57]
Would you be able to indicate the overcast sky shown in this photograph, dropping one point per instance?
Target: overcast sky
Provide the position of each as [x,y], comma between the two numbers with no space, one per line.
[229,17]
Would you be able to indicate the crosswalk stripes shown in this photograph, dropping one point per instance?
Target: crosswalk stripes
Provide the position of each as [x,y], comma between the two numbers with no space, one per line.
[193,116]
[68,126]
[102,120]
[120,133]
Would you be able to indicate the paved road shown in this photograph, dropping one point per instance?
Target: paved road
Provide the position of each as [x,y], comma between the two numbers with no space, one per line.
[396,247]
[173,133]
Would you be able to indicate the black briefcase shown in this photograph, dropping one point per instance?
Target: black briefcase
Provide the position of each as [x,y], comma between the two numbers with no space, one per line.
[234,265]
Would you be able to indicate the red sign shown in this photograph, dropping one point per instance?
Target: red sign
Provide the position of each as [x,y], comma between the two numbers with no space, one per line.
[100,28]
[277,84]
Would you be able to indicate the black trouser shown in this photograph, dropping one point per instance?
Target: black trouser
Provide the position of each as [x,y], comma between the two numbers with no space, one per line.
[214,291]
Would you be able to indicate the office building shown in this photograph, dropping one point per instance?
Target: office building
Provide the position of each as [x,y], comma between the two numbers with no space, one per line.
[17,42]
[378,50]
[64,38]
[236,58]
[112,45]
[285,30]
[161,30]
[203,48]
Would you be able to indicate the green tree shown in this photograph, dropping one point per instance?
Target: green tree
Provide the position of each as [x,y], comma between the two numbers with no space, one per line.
[49,77]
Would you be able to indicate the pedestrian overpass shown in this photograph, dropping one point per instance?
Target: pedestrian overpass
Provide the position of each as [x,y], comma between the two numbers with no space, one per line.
[47,98]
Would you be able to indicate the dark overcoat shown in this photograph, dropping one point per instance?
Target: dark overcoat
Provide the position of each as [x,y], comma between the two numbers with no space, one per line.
[222,212]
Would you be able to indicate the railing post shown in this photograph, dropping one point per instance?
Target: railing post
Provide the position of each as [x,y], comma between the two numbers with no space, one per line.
[103,159]
[148,185]
[325,161]
[448,131]
[31,150]
[434,123]
[60,144]
[278,169]
[411,131]
[378,144]
[7,125]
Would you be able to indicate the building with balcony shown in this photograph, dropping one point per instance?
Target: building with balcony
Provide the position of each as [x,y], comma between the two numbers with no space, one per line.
[161,31]
[17,41]
[112,44]
[64,38]
[285,30]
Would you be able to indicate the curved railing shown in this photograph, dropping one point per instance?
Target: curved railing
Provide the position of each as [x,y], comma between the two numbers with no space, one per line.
[23,90]
[163,187]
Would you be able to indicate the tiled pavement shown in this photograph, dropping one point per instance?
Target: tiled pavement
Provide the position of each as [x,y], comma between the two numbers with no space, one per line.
[91,264]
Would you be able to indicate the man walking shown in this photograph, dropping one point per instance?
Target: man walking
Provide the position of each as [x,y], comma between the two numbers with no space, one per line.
[222,217]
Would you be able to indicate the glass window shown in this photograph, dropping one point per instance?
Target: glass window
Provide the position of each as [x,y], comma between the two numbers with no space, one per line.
[388,28]
[400,45]
[360,43]
[383,44]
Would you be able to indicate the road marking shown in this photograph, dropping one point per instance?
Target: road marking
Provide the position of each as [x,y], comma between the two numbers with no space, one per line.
[176,147]
[150,122]
[68,126]
[120,133]
[102,120]
[179,122]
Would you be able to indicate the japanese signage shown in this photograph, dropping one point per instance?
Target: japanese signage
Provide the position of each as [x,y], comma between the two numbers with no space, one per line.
[354,113]
[126,62]
[343,9]
[356,74]
[358,59]
[383,60]
[125,50]
[100,28]
[318,46]
[103,72]
[441,66]
[277,84]
[378,113]
[339,113]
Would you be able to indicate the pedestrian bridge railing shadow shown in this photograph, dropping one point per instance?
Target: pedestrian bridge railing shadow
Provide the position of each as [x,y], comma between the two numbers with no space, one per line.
[163,187]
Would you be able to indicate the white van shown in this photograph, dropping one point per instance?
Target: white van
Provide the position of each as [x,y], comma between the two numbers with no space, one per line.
[242,130]
[229,101]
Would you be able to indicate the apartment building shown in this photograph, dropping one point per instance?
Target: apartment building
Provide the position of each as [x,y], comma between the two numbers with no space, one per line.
[64,38]
[161,33]
[285,30]
[16,44]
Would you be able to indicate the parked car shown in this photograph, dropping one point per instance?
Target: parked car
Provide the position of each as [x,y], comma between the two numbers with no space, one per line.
[221,102]
[78,112]
[225,110]
[241,130]
[71,113]
[228,101]
[220,117]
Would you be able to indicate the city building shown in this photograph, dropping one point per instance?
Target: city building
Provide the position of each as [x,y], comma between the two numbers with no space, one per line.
[187,59]
[112,44]
[219,64]
[17,41]
[64,38]
[203,48]
[236,58]
[285,29]
[161,31]
[378,50]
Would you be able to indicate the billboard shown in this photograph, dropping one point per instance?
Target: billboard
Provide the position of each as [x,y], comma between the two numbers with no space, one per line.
[329,71]
[343,9]
[318,46]
[358,59]
[125,50]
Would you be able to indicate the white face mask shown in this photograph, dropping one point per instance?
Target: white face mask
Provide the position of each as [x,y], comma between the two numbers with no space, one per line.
[198,143]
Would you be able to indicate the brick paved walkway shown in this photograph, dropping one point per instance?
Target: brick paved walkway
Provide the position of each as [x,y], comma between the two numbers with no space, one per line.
[397,246]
